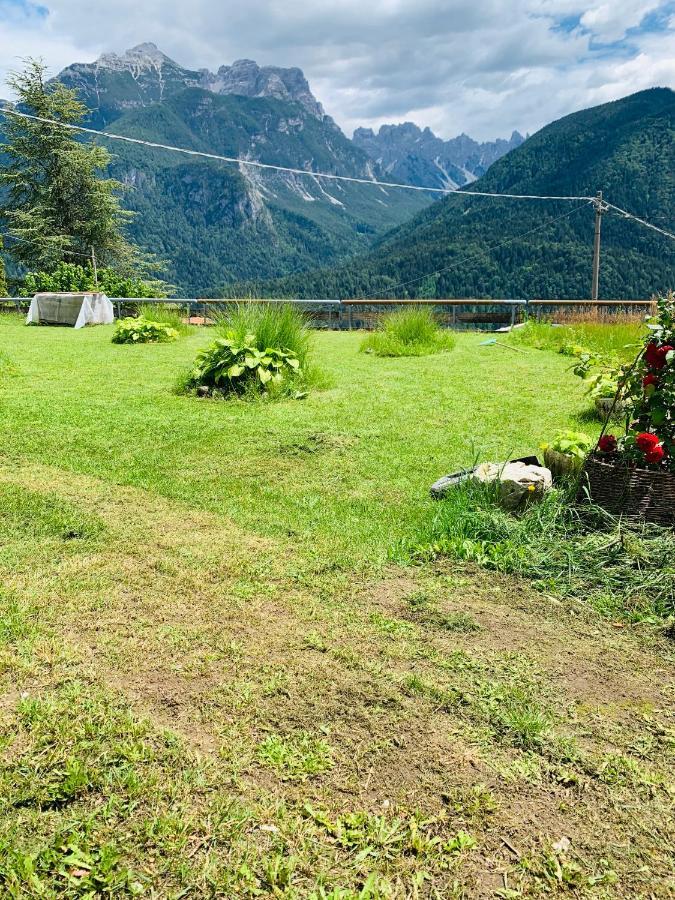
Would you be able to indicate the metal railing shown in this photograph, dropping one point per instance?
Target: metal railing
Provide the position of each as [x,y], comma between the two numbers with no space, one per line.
[458,312]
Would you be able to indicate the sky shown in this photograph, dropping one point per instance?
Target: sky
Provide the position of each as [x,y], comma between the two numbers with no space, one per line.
[483,67]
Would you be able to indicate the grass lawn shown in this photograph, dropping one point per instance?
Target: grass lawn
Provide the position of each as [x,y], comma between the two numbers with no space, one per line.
[216,681]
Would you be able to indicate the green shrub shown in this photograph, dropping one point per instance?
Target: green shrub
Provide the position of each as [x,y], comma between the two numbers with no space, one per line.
[140,331]
[264,325]
[408,332]
[240,368]
[68,277]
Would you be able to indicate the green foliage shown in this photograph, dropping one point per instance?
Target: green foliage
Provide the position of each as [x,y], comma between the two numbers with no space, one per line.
[588,556]
[165,314]
[571,443]
[67,276]
[271,324]
[408,332]
[229,366]
[648,393]
[56,201]
[141,331]
[479,247]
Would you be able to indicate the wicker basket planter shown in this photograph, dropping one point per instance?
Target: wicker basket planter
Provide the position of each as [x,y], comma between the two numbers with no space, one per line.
[623,490]
[561,464]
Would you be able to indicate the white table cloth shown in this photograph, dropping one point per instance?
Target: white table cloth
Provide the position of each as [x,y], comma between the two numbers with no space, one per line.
[75,310]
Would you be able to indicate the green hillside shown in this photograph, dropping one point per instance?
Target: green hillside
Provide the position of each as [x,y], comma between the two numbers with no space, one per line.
[625,148]
[214,224]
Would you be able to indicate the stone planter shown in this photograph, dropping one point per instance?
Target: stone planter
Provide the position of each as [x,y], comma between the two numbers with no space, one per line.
[562,464]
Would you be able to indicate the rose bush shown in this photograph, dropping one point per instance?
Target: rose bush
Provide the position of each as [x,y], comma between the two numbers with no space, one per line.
[649,398]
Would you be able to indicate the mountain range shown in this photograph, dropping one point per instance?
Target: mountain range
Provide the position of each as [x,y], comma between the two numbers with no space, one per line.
[214,224]
[473,246]
[415,156]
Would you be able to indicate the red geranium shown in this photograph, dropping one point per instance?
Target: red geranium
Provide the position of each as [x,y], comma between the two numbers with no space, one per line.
[607,443]
[655,356]
[656,455]
[646,441]
[650,380]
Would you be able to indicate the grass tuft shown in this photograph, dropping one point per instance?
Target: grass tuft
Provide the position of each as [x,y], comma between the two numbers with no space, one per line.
[619,339]
[408,332]
[278,325]
[296,757]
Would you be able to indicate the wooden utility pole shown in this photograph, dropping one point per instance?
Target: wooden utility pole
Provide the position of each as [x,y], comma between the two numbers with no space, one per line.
[93,262]
[599,209]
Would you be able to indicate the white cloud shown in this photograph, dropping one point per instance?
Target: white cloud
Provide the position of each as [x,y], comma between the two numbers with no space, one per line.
[456,65]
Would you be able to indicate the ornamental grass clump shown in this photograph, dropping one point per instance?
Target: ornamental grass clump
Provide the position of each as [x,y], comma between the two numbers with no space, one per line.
[279,325]
[165,314]
[142,331]
[647,391]
[410,331]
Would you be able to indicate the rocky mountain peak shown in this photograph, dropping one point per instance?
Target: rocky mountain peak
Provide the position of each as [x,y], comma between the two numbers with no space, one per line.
[143,56]
[157,76]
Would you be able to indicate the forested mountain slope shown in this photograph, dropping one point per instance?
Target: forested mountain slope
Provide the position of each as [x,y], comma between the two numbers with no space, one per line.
[214,223]
[625,148]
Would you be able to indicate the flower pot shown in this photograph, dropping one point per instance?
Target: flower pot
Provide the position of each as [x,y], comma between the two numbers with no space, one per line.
[561,464]
[606,407]
[625,490]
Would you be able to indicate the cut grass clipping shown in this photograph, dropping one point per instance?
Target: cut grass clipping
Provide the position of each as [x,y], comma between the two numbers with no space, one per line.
[408,332]
[263,350]
[583,554]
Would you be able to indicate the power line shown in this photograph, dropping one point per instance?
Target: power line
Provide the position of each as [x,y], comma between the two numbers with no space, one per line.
[260,165]
[628,215]
[488,249]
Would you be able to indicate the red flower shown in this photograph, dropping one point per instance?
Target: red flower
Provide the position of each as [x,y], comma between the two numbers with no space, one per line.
[655,356]
[656,455]
[607,443]
[646,442]
[650,380]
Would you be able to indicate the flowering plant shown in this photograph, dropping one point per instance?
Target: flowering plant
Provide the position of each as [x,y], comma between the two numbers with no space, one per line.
[649,397]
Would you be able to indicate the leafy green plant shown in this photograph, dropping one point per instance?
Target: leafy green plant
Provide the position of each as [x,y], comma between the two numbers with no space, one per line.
[408,332]
[570,443]
[229,366]
[616,338]
[140,331]
[648,392]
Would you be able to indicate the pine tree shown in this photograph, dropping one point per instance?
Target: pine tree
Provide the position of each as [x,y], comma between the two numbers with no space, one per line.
[58,205]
